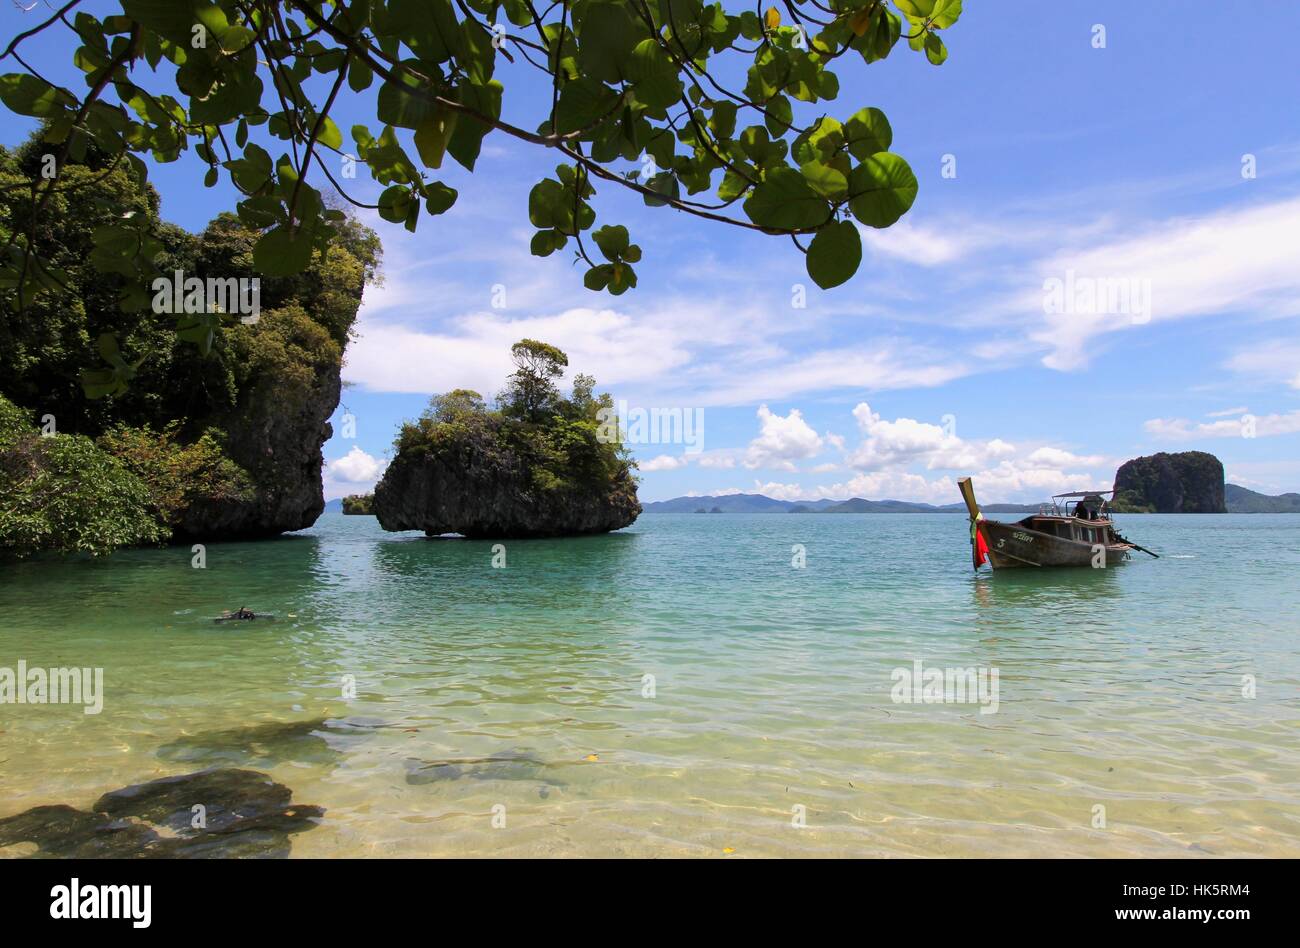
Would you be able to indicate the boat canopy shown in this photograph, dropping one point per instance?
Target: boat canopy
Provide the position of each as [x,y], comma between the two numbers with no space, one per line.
[1088,504]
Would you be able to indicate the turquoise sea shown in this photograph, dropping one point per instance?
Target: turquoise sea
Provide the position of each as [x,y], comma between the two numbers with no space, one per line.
[680,689]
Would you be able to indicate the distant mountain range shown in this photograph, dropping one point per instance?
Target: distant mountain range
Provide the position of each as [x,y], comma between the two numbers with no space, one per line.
[1238,499]
[759,503]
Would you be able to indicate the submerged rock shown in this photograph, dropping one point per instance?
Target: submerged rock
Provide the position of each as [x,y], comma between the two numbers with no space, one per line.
[1186,482]
[507,765]
[65,832]
[318,740]
[245,814]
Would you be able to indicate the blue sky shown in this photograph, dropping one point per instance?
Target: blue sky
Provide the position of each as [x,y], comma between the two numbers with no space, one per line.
[940,357]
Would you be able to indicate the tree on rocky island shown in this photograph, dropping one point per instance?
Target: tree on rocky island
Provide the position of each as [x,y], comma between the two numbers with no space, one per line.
[531,392]
[643,97]
[536,464]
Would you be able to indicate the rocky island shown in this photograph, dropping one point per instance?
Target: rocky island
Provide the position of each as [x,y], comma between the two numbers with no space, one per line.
[1187,482]
[538,464]
[362,505]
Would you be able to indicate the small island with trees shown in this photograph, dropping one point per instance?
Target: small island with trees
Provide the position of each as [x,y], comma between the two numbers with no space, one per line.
[536,464]
[359,505]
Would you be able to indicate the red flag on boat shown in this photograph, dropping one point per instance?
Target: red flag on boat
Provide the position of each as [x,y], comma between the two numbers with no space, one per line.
[981,547]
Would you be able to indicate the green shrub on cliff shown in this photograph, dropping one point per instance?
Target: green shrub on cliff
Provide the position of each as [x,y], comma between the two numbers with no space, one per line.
[176,474]
[562,444]
[62,493]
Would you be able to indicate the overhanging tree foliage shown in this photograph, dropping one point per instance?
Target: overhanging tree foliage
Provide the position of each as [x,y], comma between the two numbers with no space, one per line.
[642,81]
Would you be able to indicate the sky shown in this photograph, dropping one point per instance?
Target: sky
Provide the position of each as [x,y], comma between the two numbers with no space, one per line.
[1158,174]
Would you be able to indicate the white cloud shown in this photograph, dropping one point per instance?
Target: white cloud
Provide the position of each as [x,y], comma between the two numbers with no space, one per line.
[356,467]
[886,364]
[664,462]
[1276,361]
[1230,262]
[1258,426]
[717,460]
[781,441]
[891,450]
[1048,457]
[355,473]
[897,443]
[914,243]
[474,351]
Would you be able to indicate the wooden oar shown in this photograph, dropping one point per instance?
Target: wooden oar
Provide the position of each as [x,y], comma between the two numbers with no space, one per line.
[1136,547]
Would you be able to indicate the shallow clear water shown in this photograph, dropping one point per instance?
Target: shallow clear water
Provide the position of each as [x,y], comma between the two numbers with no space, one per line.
[525,688]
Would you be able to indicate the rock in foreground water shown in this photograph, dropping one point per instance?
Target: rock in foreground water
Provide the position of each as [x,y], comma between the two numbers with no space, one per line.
[244,814]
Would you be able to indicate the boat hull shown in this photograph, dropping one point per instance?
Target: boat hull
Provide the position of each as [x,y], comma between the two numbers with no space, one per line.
[1013,545]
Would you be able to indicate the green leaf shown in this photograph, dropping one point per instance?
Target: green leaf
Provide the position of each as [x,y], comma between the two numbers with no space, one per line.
[612,241]
[945,13]
[329,134]
[733,185]
[664,183]
[826,179]
[439,197]
[395,204]
[467,137]
[171,19]
[916,8]
[935,51]
[550,204]
[883,189]
[546,242]
[360,75]
[779,116]
[868,132]
[785,200]
[835,254]
[281,252]
[821,141]
[432,136]
[723,121]
[28,95]
[606,41]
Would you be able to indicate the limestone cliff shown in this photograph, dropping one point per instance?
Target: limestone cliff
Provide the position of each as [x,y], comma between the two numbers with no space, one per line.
[1187,482]
[480,500]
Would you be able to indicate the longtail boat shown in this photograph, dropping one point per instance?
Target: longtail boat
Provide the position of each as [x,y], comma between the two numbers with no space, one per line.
[1075,529]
